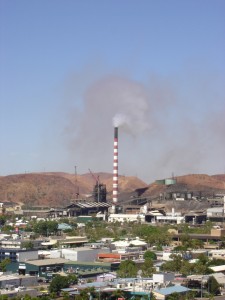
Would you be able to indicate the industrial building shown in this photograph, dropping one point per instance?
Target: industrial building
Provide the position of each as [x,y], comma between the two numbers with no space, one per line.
[40,267]
[46,268]
[81,254]
[14,280]
[79,208]
[17,255]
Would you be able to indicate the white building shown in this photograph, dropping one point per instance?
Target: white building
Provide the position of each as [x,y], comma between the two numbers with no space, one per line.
[163,278]
[17,280]
[126,218]
[82,254]
[127,245]
[215,212]
[170,219]
[217,254]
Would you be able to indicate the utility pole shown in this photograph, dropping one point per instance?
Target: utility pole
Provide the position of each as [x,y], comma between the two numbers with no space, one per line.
[76,184]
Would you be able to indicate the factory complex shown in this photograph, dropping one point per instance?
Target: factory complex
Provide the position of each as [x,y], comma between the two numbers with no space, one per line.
[34,261]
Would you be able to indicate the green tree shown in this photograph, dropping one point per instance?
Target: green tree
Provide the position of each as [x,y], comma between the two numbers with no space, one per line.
[174,296]
[150,254]
[72,278]
[86,293]
[45,227]
[147,268]
[190,295]
[127,268]
[7,228]
[200,268]
[58,282]
[215,262]
[92,292]
[187,268]
[181,248]
[196,244]
[27,244]
[203,259]
[117,294]
[52,227]
[3,297]
[153,235]
[174,265]
[152,296]
[53,295]
[185,240]
[4,263]
[3,220]
[27,297]
[65,295]
[40,227]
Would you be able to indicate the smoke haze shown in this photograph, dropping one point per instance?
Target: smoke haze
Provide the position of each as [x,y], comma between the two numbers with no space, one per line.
[160,132]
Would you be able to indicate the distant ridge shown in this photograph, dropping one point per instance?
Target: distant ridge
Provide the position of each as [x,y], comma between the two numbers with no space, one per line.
[192,182]
[58,188]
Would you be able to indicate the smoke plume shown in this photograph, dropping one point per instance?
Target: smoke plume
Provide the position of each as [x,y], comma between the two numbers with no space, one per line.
[166,126]
[132,115]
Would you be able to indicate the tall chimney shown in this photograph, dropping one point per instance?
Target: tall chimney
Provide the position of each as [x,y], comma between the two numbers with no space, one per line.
[115,166]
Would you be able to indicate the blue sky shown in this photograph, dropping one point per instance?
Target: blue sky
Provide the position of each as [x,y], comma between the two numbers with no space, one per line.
[68,67]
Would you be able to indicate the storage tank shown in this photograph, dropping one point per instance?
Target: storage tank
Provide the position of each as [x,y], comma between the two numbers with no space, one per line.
[160,181]
[170,181]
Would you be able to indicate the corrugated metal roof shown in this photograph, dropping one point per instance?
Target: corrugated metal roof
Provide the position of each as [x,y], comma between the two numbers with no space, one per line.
[220,278]
[88,263]
[47,262]
[88,204]
[172,289]
[220,268]
[64,226]
[95,284]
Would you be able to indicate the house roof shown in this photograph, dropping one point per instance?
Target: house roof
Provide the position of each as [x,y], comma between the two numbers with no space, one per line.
[121,243]
[73,240]
[220,278]
[172,289]
[49,243]
[64,226]
[218,268]
[109,255]
[99,284]
[138,243]
[88,263]
[47,262]
[126,243]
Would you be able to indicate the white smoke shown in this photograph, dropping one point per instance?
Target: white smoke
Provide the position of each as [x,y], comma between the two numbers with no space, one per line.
[156,113]
[121,120]
[133,107]
[89,130]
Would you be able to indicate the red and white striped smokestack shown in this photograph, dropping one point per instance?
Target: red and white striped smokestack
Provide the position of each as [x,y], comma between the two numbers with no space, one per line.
[115,166]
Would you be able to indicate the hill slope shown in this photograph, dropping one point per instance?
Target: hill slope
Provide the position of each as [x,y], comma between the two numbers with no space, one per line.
[56,189]
[194,182]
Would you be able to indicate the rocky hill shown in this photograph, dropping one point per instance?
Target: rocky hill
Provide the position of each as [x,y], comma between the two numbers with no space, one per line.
[58,189]
[207,185]
[200,185]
